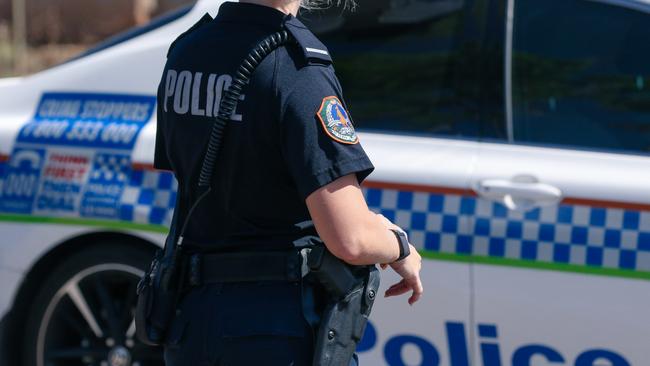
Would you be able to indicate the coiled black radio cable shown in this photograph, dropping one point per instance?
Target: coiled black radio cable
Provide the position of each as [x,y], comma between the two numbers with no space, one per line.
[228,105]
[231,98]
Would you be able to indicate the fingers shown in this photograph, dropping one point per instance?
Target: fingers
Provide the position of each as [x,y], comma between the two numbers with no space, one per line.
[405,286]
[401,283]
[397,289]
[418,289]
[383,266]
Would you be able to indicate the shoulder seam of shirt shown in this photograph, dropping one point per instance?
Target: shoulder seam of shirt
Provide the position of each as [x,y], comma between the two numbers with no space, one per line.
[276,69]
[276,90]
[290,91]
[285,102]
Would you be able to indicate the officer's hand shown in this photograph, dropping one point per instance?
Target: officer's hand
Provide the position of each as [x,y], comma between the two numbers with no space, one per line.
[409,269]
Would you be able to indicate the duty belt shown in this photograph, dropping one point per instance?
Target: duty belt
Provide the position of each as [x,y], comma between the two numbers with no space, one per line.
[288,266]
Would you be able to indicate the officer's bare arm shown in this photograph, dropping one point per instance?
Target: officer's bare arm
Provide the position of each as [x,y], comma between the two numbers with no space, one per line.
[349,229]
[358,236]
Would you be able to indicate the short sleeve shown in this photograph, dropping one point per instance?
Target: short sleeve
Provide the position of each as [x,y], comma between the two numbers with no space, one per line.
[160,158]
[319,143]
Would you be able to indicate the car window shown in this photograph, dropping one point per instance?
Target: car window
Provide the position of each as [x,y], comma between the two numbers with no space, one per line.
[418,66]
[580,74]
[137,31]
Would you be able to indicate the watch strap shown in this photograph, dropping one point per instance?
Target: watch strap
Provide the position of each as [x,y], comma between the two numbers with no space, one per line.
[404,247]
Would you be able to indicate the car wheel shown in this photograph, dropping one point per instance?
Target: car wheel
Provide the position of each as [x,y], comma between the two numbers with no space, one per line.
[83,313]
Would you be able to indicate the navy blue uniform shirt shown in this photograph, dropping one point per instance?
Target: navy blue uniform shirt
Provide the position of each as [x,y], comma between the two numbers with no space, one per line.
[290,135]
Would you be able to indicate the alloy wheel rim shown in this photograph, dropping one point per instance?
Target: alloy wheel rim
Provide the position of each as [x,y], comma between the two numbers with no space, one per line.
[89,321]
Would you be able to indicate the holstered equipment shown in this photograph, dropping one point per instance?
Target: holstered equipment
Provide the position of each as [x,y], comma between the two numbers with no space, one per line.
[351,293]
[351,290]
[158,293]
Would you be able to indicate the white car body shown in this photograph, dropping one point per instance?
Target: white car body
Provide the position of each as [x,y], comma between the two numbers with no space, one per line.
[479,308]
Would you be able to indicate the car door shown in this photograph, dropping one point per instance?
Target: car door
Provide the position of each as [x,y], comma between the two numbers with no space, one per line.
[417,100]
[562,219]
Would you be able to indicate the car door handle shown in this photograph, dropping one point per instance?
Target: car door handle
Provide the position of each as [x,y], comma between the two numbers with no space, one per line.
[519,195]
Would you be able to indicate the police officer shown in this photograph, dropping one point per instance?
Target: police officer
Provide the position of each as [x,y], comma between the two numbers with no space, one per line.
[290,155]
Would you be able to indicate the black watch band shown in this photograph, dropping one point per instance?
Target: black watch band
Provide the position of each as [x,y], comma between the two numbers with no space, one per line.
[404,247]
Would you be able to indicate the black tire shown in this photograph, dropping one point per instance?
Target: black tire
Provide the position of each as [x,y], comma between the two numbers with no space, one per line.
[82,314]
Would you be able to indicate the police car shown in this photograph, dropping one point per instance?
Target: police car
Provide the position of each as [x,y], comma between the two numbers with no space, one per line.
[511,140]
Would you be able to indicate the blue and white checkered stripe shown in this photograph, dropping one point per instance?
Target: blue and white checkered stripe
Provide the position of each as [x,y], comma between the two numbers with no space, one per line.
[570,234]
[149,198]
[463,225]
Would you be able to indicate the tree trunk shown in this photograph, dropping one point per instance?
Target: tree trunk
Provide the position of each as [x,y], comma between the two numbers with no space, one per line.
[143,9]
[19,25]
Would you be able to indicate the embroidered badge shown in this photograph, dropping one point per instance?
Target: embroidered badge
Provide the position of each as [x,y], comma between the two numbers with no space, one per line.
[336,121]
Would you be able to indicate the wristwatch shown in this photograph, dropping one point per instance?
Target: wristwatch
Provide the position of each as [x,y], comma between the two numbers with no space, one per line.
[404,247]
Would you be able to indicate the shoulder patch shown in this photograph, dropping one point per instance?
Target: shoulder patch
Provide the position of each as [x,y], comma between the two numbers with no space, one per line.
[336,121]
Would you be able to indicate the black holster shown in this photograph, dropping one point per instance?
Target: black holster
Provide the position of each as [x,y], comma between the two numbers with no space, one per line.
[158,293]
[351,291]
